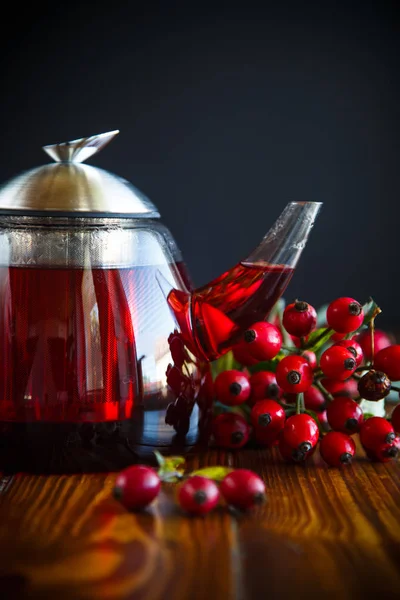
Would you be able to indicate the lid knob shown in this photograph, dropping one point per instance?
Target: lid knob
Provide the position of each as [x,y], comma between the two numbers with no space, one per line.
[78,151]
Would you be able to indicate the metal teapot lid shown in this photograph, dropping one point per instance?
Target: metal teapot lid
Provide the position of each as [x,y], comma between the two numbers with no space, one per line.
[69,188]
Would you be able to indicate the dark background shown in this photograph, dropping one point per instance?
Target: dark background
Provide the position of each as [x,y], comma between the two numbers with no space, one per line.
[227,112]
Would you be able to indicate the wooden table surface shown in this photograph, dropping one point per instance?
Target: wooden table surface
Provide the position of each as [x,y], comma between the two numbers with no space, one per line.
[324,533]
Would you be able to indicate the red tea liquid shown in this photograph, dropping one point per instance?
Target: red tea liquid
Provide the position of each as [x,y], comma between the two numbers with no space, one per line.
[71,341]
[223,309]
[84,354]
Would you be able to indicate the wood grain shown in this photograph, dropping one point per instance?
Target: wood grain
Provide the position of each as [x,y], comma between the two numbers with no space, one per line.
[323,533]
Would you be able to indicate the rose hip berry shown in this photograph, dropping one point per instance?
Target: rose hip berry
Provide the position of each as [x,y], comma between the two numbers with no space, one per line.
[310,357]
[232,387]
[299,318]
[337,448]
[396,418]
[384,452]
[230,431]
[354,348]
[388,361]
[341,388]
[345,415]
[267,414]
[294,374]
[242,355]
[263,340]
[243,489]
[198,495]
[337,337]
[263,385]
[136,487]
[374,385]
[314,399]
[381,340]
[344,315]
[300,434]
[376,431]
[337,363]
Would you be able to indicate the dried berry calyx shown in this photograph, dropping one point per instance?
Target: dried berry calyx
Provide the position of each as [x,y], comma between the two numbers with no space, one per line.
[294,377]
[355,308]
[300,306]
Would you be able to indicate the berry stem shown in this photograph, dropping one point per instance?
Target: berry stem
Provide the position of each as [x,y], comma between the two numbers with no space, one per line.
[356,377]
[327,395]
[372,330]
[395,388]
[300,407]
[291,349]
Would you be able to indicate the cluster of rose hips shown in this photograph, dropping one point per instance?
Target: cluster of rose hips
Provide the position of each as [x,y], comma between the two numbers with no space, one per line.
[136,487]
[289,405]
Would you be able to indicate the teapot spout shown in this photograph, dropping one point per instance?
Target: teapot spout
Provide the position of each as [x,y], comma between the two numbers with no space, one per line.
[216,315]
[285,241]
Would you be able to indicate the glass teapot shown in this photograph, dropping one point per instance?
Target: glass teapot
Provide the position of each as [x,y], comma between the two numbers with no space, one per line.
[104,344]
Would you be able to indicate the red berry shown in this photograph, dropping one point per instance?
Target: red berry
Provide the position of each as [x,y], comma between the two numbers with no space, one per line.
[294,374]
[299,318]
[263,340]
[337,363]
[341,388]
[291,455]
[310,357]
[243,489]
[314,399]
[381,340]
[136,487]
[388,361]
[230,431]
[242,355]
[396,418]
[198,495]
[267,414]
[337,337]
[345,415]
[297,341]
[344,315]
[263,385]
[374,385]
[232,387]
[376,431]
[300,434]
[384,452]
[323,420]
[354,348]
[337,448]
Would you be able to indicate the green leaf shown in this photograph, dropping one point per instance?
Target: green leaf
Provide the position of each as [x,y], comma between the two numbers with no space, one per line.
[371,310]
[160,458]
[171,468]
[277,310]
[318,338]
[321,315]
[224,363]
[215,473]
[368,416]
[267,365]
[172,463]
[171,477]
